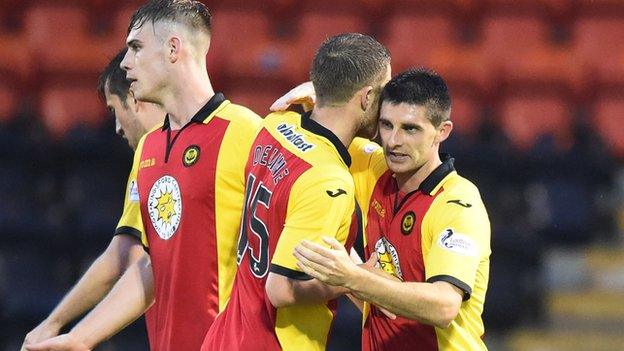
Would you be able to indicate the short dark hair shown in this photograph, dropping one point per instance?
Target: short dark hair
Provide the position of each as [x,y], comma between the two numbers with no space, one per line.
[423,87]
[344,64]
[190,12]
[113,78]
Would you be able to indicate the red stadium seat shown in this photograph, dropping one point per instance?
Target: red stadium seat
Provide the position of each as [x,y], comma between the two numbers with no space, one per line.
[314,28]
[598,44]
[63,107]
[412,38]
[8,103]
[506,38]
[251,96]
[525,118]
[14,56]
[60,39]
[466,113]
[608,114]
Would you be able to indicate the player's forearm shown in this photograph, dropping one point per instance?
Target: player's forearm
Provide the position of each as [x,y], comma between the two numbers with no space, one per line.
[430,303]
[283,291]
[128,300]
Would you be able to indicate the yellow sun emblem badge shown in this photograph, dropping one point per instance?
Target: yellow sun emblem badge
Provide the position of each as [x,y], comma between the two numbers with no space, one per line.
[191,155]
[166,207]
[407,223]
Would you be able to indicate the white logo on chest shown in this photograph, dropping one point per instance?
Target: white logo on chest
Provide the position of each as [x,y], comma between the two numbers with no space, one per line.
[164,205]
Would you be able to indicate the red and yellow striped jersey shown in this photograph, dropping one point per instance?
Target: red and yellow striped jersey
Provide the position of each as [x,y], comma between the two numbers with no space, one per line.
[190,189]
[439,232]
[298,187]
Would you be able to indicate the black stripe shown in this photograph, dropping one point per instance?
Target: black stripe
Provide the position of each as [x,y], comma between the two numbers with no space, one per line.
[289,273]
[458,283]
[359,240]
[125,230]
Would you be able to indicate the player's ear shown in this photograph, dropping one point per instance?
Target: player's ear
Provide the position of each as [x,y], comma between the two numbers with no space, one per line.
[174,45]
[366,97]
[444,131]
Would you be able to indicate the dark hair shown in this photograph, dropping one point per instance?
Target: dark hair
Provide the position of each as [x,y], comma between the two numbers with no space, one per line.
[115,77]
[420,87]
[344,64]
[190,12]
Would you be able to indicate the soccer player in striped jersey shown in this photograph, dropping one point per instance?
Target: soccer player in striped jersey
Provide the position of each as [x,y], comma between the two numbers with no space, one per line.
[190,180]
[133,119]
[426,225]
[299,187]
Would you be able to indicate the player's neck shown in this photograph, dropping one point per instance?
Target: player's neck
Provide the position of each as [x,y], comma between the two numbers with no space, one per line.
[189,94]
[339,120]
[410,181]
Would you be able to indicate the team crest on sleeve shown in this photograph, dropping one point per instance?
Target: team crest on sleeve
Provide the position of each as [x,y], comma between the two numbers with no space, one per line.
[164,205]
[191,155]
[407,223]
[458,243]
[388,258]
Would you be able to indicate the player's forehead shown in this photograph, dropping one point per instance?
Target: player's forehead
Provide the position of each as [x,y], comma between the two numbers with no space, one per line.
[141,33]
[403,113]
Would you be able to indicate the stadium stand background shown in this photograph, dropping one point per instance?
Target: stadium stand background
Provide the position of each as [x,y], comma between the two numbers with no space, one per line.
[538,105]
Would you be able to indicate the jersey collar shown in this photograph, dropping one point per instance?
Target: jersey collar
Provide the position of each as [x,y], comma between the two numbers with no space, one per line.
[313,126]
[434,180]
[204,112]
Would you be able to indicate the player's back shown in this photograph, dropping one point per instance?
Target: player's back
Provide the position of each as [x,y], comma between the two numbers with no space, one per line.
[298,187]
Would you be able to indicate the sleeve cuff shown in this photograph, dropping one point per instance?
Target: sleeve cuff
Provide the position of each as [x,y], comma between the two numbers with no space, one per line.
[125,230]
[452,280]
[289,273]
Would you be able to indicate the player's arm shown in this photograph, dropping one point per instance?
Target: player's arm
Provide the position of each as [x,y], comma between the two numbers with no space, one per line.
[129,298]
[122,251]
[312,212]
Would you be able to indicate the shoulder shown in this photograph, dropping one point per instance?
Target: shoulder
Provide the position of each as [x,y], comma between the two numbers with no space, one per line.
[459,187]
[238,114]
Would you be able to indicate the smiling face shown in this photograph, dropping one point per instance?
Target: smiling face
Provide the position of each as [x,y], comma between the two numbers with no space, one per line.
[146,62]
[408,137]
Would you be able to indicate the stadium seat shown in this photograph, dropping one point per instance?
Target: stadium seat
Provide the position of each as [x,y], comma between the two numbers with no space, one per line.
[506,38]
[412,38]
[607,117]
[8,103]
[63,107]
[14,57]
[598,43]
[256,98]
[61,41]
[463,63]
[314,28]
[466,112]
[526,117]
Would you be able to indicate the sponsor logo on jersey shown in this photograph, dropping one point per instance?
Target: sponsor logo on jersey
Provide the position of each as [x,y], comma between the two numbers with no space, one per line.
[457,242]
[164,205]
[133,192]
[336,193]
[370,148]
[147,163]
[407,223]
[191,155]
[377,206]
[460,203]
[388,258]
[287,130]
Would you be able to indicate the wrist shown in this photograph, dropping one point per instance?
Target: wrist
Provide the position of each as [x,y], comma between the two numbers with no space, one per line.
[53,323]
[356,279]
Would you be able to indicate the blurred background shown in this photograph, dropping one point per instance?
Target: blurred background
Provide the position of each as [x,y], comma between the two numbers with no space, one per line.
[538,106]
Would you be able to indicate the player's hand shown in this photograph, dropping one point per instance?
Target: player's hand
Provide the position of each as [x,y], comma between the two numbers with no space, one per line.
[303,94]
[331,265]
[43,331]
[65,342]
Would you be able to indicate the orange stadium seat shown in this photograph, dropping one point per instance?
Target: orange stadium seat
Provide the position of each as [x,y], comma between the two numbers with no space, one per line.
[598,43]
[411,38]
[506,38]
[463,63]
[64,107]
[525,118]
[608,114]
[60,39]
